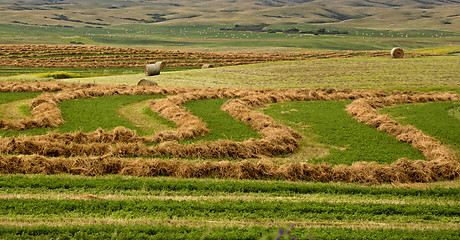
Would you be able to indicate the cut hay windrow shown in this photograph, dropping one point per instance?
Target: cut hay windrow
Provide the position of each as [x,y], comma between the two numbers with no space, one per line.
[61,56]
[39,86]
[401,171]
[96,152]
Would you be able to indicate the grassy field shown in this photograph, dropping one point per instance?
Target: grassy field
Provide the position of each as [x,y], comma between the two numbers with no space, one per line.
[359,73]
[211,38]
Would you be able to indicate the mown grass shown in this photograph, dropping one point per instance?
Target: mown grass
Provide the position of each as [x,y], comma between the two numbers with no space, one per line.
[160,232]
[6,97]
[153,209]
[239,209]
[221,124]
[166,186]
[440,120]
[348,141]
[90,114]
[148,121]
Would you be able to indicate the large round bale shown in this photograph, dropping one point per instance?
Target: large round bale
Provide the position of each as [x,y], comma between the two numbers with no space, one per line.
[207,66]
[146,82]
[397,52]
[161,64]
[152,69]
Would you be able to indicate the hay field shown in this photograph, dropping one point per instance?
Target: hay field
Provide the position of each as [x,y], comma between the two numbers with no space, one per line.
[182,181]
[435,72]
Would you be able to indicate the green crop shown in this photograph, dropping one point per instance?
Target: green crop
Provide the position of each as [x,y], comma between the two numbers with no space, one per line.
[161,232]
[6,97]
[440,120]
[348,141]
[116,184]
[221,124]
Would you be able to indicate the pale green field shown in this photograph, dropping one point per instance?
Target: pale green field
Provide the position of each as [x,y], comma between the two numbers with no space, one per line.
[357,73]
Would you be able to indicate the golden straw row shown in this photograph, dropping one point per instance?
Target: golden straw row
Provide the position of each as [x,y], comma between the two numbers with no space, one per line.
[401,171]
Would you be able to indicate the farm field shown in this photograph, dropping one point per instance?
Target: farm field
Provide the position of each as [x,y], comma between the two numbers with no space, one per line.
[297,144]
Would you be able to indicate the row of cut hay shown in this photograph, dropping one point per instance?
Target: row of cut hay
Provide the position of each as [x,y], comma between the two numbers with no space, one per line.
[401,171]
[275,144]
[102,57]
[7,86]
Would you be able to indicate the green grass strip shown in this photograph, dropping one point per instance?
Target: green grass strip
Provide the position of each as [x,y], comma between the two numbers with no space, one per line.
[221,124]
[229,210]
[215,233]
[89,114]
[118,184]
[348,140]
[440,120]
[6,97]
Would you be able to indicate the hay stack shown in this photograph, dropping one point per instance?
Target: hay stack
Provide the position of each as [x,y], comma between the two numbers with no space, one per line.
[152,69]
[207,66]
[161,64]
[146,82]
[397,52]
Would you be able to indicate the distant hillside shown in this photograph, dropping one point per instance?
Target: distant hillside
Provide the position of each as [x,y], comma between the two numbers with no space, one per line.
[375,14]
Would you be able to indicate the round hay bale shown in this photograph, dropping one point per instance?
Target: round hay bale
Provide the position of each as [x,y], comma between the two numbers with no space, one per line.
[152,69]
[397,52]
[207,66]
[146,82]
[161,64]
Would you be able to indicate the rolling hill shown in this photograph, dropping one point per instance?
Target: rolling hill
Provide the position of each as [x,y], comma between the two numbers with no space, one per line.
[375,14]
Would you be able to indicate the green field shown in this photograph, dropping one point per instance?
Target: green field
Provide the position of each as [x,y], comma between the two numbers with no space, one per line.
[215,209]
[211,38]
